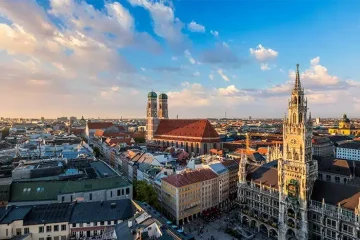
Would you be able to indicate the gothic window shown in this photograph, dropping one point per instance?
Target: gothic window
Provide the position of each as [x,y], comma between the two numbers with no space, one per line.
[299,100]
[149,105]
[205,148]
[296,156]
[294,118]
[300,118]
[295,100]
[160,106]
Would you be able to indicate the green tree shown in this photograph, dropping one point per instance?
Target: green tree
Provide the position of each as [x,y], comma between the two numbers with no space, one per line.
[144,192]
[5,132]
[139,139]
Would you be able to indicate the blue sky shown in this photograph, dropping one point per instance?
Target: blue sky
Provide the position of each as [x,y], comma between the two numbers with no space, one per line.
[97,58]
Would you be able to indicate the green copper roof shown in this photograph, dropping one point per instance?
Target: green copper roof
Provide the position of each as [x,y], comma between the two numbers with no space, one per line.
[152,95]
[163,96]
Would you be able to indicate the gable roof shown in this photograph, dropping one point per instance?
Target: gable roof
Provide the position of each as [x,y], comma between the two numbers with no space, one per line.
[49,190]
[264,175]
[336,166]
[186,128]
[334,193]
[102,211]
[49,213]
[190,177]
[14,213]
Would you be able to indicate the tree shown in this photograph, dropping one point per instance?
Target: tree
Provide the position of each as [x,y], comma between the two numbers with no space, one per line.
[97,152]
[144,192]
[139,139]
[5,132]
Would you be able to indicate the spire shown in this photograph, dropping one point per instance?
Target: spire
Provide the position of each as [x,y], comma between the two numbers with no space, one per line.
[297,79]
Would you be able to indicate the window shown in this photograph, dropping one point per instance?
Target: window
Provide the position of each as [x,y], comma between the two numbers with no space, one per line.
[63,227]
[56,238]
[48,238]
[110,193]
[330,223]
[18,231]
[63,237]
[102,223]
[90,196]
[48,228]
[127,190]
[41,229]
[122,191]
[328,178]
[320,176]
[71,198]
[56,228]
[7,232]
[74,224]
[118,192]
[347,228]
[337,179]
[109,222]
[62,199]
[41,238]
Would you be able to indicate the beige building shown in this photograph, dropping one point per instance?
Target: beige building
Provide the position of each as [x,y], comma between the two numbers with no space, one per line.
[323,147]
[183,194]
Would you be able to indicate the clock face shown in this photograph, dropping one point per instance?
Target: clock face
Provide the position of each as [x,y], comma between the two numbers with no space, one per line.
[293,141]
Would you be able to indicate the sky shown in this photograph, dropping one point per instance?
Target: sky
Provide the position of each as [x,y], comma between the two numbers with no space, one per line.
[99,58]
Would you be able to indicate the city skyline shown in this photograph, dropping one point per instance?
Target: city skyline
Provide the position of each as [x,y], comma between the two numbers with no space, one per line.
[95,58]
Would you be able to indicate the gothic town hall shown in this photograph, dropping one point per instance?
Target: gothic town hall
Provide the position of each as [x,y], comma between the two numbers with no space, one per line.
[286,199]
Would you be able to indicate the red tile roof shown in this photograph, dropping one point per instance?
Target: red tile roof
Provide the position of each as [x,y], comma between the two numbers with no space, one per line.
[99,125]
[188,128]
[191,177]
[265,176]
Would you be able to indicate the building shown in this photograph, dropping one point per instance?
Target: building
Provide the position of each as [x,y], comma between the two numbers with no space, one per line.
[232,167]
[223,175]
[323,147]
[186,195]
[196,136]
[60,221]
[288,201]
[349,150]
[345,128]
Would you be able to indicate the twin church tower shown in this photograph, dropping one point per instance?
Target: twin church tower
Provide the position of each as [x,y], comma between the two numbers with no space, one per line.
[154,114]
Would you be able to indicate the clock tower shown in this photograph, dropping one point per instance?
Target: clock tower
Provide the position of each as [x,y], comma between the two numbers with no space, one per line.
[297,171]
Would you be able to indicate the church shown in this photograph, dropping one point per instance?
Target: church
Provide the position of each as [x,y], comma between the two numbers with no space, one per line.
[285,199]
[196,136]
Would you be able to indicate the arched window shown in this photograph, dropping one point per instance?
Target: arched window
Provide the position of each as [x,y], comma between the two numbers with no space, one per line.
[205,148]
[300,118]
[192,147]
[197,148]
[299,100]
[295,100]
[294,118]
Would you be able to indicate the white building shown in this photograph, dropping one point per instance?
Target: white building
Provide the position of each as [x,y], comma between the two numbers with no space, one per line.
[349,151]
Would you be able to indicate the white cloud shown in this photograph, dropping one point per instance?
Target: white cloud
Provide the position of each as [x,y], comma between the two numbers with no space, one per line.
[214,33]
[211,77]
[142,69]
[315,61]
[230,90]
[192,95]
[166,25]
[264,66]
[189,57]
[196,74]
[195,27]
[262,53]
[223,75]
[173,58]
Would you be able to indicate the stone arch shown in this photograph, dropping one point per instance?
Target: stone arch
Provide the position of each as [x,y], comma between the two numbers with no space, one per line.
[290,234]
[291,223]
[300,118]
[263,229]
[245,220]
[291,212]
[253,223]
[273,234]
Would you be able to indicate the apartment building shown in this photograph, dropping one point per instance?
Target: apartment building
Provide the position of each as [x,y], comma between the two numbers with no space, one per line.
[223,181]
[59,221]
[323,147]
[349,150]
[183,194]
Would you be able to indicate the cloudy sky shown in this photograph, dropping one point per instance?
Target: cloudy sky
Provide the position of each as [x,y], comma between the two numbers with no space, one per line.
[100,58]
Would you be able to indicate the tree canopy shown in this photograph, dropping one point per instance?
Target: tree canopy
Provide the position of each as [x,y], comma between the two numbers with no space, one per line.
[144,192]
